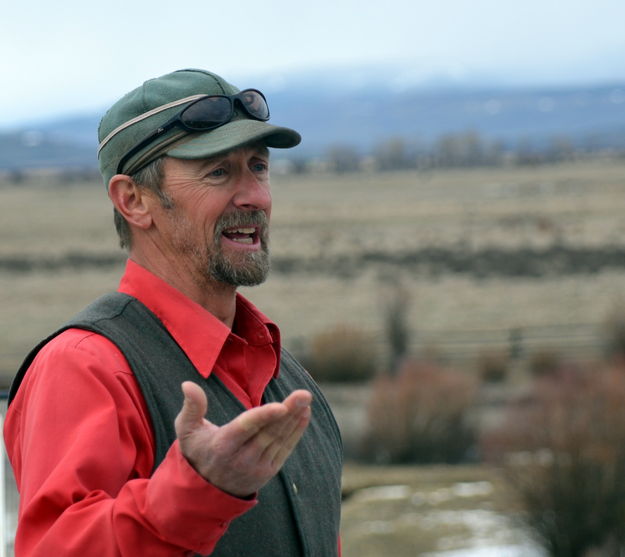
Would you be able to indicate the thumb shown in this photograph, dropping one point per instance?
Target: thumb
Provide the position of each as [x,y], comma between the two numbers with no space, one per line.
[194,408]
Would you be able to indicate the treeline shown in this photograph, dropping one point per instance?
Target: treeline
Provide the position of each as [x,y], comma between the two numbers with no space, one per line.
[454,150]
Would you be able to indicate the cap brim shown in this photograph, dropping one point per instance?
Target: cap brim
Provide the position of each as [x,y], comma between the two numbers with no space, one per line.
[233,135]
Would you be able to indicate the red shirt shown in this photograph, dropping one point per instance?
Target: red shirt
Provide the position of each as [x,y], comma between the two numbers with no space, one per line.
[79,438]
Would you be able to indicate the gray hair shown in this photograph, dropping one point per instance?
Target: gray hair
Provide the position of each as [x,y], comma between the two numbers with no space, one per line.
[150,177]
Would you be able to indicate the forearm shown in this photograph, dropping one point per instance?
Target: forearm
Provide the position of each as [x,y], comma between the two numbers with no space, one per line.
[80,442]
[170,514]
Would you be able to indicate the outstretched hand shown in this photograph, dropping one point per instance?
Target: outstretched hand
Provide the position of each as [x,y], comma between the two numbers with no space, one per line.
[244,454]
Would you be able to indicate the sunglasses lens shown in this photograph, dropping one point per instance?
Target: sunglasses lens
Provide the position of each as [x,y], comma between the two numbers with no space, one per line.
[207,113]
[255,104]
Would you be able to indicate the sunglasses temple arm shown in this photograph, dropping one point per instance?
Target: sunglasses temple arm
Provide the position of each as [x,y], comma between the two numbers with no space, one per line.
[143,143]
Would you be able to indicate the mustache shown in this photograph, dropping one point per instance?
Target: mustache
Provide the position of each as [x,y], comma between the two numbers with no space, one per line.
[237,219]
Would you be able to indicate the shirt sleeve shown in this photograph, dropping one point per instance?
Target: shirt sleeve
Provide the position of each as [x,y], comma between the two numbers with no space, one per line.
[80,443]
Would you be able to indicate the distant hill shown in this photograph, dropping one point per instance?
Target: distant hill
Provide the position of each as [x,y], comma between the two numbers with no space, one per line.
[363,115]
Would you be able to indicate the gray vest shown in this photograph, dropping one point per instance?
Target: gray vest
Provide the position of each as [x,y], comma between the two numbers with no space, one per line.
[299,510]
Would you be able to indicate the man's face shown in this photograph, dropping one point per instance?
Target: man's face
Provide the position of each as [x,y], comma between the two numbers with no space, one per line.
[215,223]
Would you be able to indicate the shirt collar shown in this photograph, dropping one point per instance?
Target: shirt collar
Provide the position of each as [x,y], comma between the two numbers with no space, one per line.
[197,331]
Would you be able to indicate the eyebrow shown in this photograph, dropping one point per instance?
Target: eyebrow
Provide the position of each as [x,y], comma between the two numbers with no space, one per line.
[255,150]
[259,148]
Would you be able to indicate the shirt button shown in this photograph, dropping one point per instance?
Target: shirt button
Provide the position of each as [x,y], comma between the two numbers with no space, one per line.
[295,489]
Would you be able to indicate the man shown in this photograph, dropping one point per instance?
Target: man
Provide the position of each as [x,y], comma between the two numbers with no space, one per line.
[165,419]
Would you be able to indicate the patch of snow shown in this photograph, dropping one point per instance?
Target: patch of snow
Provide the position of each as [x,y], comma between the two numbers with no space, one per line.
[472,489]
[377,527]
[492,551]
[491,535]
[383,493]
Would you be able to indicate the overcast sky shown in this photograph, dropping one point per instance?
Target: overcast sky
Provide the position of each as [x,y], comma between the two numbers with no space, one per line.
[81,55]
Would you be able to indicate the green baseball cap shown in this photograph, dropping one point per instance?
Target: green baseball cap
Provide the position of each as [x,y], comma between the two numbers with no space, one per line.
[140,112]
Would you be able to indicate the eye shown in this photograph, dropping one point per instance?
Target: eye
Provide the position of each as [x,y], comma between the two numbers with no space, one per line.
[217,173]
[260,166]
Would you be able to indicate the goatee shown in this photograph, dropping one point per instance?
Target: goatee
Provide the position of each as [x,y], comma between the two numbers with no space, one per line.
[247,268]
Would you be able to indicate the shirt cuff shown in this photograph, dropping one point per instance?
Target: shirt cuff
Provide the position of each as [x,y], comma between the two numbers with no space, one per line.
[188,510]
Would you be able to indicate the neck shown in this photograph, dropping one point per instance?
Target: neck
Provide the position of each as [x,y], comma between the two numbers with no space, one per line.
[215,297]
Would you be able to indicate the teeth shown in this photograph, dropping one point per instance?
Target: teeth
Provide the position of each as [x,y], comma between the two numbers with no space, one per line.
[245,230]
[243,240]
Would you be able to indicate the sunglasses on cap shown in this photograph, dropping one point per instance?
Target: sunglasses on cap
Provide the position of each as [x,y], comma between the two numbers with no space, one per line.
[204,114]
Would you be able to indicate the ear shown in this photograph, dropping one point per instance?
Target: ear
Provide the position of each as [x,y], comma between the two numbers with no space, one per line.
[131,201]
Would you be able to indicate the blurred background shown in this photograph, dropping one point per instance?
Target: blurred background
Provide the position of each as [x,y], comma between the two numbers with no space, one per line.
[448,240]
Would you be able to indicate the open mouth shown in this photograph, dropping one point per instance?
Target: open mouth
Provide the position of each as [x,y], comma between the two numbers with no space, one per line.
[245,235]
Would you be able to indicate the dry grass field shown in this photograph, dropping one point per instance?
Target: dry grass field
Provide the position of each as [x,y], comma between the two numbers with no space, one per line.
[58,251]
[339,244]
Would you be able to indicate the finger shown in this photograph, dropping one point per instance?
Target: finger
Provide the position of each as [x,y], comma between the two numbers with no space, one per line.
[263,426]
[285,436]
[273,435]
[276,431]
[248,425]
[281,428]
[279,452]
[193,410]
[298,399]
[299,405]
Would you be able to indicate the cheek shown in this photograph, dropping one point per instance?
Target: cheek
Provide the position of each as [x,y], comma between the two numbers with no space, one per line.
[208,209]
[209,224]
[268,209]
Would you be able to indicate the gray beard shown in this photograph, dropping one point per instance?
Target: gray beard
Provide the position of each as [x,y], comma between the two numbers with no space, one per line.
[250,272]
[242,269]
[245,269]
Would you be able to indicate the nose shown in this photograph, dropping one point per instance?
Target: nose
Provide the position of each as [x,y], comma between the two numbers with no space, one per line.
[252,193]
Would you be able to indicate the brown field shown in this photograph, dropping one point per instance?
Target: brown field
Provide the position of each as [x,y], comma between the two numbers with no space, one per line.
[59,251]
[324,226]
